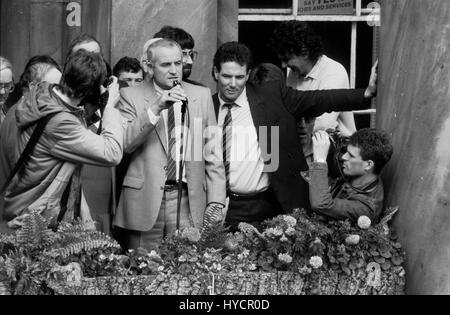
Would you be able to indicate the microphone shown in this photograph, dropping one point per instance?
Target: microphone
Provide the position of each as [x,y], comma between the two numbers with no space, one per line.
[185,102]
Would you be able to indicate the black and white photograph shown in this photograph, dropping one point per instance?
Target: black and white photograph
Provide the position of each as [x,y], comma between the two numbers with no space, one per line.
[224,152]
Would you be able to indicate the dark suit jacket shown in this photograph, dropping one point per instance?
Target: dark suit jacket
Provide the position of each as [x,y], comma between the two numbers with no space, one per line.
[273,104]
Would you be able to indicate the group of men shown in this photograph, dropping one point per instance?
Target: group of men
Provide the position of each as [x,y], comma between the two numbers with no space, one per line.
[189,154]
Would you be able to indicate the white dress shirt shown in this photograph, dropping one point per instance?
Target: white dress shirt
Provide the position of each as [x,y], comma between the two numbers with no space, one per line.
[326,74]
[246,163]
[165,113]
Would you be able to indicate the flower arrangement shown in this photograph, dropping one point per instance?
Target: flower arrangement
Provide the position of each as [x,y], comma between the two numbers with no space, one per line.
[299,243]
[305,244]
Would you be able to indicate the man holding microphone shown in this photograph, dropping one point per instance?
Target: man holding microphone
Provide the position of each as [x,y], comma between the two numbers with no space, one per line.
[147,210]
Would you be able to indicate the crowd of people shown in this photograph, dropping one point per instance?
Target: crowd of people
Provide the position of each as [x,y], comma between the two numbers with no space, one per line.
[166,154]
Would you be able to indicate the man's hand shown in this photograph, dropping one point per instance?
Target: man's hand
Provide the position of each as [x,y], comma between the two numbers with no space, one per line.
[114,94]
[167,99]
[371,90]
[321,146]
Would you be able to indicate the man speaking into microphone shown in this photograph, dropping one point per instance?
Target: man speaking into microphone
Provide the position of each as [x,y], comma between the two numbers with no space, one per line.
[147,209]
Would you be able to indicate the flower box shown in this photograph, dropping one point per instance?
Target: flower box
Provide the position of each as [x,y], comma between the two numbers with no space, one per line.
[294,255]
[250,283]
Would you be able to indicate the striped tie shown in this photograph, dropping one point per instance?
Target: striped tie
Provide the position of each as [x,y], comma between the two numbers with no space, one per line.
[227,134]
[171,162]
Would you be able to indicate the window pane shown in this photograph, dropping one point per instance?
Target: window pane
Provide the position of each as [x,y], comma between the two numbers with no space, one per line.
[265,4]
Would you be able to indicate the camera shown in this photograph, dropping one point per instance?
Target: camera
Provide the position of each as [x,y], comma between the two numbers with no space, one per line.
[338,148]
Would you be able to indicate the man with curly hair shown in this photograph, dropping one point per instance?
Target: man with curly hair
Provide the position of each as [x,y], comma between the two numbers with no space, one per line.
[301,51]
[360,191]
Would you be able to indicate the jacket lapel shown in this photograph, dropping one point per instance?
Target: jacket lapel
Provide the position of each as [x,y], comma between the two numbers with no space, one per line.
[257,108]
[151,96]
[260,118]
[216,105]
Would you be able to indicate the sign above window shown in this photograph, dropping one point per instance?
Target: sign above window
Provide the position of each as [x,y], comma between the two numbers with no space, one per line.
[320,7]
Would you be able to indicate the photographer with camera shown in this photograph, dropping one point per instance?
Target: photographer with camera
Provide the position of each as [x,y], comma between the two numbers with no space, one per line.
[359,191]
[53,143]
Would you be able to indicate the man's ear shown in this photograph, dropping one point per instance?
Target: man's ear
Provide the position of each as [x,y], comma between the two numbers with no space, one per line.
[149,67]
[216,74]
[370,166]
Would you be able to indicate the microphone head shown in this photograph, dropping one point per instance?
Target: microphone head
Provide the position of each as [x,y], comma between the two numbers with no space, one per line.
[176,82]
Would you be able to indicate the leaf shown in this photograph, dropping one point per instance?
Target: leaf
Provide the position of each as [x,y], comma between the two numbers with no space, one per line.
[347,270]
[397,260]
[386,266]
[380,260]
[386,255]
[397,245]
[389,215]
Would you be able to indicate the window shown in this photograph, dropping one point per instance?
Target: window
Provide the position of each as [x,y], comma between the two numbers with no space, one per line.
[349,38]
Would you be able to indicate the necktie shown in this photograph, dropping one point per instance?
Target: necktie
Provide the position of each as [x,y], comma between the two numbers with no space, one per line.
[171,160]
[227,135]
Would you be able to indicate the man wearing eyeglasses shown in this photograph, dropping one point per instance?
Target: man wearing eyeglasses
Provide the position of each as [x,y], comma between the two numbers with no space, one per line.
[6,84]
[187,43]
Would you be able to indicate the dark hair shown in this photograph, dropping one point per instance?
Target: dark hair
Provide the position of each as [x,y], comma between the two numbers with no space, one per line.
[35,69]
[183,38]
[267,72]
[296,38]
[127,64]
[83,74]
[375,145]
[83,38]
[233,52]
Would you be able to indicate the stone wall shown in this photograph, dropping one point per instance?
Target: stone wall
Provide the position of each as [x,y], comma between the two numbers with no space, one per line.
[414,107]
[134,22]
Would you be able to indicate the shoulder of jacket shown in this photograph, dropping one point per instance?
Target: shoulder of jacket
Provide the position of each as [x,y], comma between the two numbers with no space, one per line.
[196,89]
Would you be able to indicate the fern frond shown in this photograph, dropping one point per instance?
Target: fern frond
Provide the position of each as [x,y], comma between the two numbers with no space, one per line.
[84,246]
[34,233]
[390,213]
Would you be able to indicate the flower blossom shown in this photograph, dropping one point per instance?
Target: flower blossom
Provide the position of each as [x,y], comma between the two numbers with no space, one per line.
[353,240]
[191,234]
[153,255]
[317,241]
[102,257]
[274,232]
[290,231]
[142,265]
[364,222]
[291,221]
[284,239]
[247,229]
[252,267]
[316,262]
[285,258]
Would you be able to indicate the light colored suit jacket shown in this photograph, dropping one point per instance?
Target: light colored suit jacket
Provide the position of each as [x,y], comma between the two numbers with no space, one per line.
[143,185]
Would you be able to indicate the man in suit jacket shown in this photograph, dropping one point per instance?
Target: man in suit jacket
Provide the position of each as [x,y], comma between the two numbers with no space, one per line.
[148,203]
[267,181]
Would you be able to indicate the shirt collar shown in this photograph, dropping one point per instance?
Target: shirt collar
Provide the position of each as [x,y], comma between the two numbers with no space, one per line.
[314,73]
[241,101]
[159,91]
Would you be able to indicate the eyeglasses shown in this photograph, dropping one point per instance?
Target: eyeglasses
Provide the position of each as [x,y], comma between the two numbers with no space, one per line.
[190,53]
[8,87]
